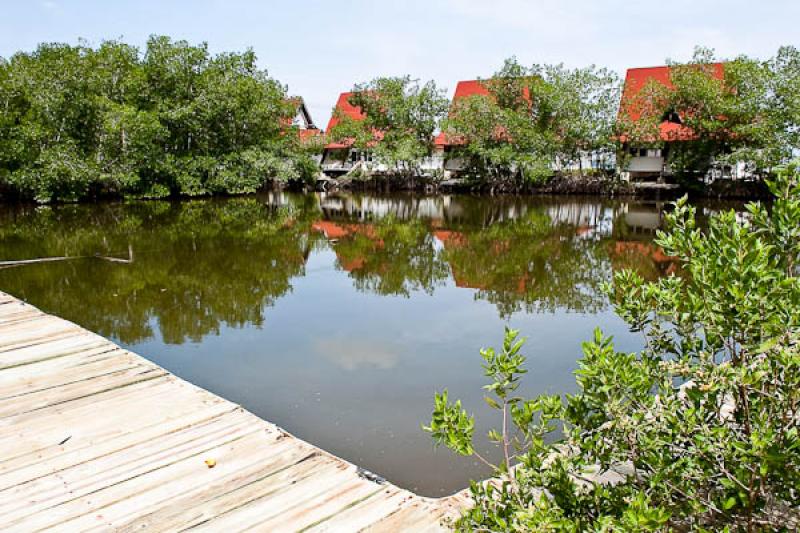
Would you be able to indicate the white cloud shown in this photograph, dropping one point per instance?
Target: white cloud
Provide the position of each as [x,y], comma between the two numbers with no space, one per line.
[354,354]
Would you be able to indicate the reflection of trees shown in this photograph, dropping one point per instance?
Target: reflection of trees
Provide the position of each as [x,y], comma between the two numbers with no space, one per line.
[647,259]
[517,253]
[203,264]
[529,264]
[387,257]
[198,265]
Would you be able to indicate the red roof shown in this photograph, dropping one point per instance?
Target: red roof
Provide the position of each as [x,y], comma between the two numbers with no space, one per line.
[637,79]
[309,133]
[470,88]
[464,89]
[344,107]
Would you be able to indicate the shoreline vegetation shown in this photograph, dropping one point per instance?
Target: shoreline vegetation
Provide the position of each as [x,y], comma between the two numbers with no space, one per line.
[699,431]
[566,185]
[172,120]
[80,123]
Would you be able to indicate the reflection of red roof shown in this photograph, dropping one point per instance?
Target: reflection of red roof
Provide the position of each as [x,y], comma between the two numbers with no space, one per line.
[643,249]
[331,230]
[464,89]
[448,237]
[637,79]
[456,239]
[334,230]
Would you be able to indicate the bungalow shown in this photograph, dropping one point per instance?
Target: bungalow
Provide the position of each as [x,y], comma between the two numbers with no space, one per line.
[340,157]
[302,119]
[444,144]
[651,162]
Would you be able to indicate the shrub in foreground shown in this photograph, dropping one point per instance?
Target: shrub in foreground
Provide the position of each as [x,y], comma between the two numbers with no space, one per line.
[698,431]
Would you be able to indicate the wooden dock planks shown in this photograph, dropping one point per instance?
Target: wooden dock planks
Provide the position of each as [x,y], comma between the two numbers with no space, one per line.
[96,438]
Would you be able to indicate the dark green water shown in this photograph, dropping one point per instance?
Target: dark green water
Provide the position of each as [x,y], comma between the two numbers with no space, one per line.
[338,316]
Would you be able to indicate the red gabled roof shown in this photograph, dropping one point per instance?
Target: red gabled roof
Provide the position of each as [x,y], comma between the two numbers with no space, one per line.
[344,107]
[470,88]
[637,79]
[464,89]
[303,133]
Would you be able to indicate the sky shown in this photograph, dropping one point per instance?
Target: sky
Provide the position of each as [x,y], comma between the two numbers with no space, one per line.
[321,48]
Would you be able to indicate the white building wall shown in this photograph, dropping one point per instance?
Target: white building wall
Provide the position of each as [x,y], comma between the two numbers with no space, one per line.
[646,164]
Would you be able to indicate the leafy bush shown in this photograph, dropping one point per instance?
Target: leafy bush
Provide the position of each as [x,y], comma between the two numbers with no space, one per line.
[174,120]
[749,111]
[535,120]
[698,431]
[58,172]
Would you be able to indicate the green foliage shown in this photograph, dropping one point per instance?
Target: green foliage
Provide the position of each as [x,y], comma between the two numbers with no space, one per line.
[698,431]
[197,266]
[532,263]
[392,257]
[399,113]
[536,120]
[81,121]
[751,114]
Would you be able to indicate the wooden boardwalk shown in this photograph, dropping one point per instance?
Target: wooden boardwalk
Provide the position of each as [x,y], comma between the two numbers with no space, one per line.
[94,437]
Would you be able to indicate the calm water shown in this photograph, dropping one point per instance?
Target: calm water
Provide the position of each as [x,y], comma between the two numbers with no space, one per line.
[338,316]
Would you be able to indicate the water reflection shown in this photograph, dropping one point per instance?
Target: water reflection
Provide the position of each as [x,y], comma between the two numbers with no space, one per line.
[517,253]
[197,265]
[354,354]
[337,316]
[389,256]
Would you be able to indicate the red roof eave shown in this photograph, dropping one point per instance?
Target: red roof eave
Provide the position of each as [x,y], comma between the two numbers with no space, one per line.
[344,107]
[464,89]
[636,79]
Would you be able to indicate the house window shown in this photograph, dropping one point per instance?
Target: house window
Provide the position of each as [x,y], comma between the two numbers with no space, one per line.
[358,155]
[672,116]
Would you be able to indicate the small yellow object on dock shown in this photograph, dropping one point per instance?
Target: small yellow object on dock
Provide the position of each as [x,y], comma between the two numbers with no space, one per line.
[211,463]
